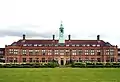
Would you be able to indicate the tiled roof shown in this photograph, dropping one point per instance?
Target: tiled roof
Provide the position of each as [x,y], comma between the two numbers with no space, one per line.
[28,41]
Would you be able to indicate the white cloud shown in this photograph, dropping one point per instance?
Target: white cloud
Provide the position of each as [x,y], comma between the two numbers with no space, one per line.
[83,19]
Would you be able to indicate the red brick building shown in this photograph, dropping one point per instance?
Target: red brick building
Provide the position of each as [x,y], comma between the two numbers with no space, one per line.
[2,55]
[63,51]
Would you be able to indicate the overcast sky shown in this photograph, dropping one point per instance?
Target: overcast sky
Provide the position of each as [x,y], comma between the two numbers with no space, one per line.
[83,19]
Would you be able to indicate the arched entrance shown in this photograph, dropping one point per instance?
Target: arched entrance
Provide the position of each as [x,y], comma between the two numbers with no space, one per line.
[62,61]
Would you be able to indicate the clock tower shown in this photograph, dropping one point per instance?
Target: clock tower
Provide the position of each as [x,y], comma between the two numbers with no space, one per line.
[61,34]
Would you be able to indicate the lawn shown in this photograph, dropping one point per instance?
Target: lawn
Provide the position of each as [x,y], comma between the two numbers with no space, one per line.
[59,75]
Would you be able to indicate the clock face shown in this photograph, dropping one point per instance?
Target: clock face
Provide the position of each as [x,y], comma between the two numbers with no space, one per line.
[61,30]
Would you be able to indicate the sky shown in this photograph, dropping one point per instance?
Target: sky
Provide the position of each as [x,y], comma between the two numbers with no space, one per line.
[40,19]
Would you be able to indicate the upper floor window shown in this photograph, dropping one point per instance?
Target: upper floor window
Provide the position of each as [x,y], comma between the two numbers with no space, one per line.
[56,52]
[31,52]
[43,52]
[24,52]
[80,52]
[36,52]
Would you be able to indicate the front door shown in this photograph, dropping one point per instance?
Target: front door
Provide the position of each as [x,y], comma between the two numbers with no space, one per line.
[62,62]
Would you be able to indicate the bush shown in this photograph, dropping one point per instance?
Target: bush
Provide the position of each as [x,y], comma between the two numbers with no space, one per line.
[116,65]
[99,65]
[108,64]
[30,65]
[78,64]
[90,65]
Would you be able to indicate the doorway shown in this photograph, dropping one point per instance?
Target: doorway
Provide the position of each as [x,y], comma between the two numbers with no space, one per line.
[62,62]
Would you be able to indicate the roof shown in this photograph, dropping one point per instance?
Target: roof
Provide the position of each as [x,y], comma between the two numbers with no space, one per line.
[32,41]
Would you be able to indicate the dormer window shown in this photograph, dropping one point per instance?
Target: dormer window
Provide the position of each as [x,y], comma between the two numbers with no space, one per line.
[29,44]
[88,44]
[93,45]
[83,45]
[77,45]
[98,44]
[35,44]
[40,45]
[56,45]
[24,44]
[67,45]
[73,45]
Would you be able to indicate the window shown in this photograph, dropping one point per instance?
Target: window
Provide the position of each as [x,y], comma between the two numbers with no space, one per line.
[73,52]
[24,44]
[83,44]
[92,59]
[56,52]
[15,59]
[92,52]
[36,52]
[29,44]
[107,52]
[56,45]
[31,52]
[61,52]
[49,52]
[86,52]
[16,51]
[30,59]
[37,59]
[88,44]
[43,59]
[13,51]
[111,51]
[73,44]
[40,45]
[67,45]
[35,44]
[10,59]
[67,52]
[77,45]
[98,44]
[43,52]
[98,52]
[93,45]
[80,52]
[24,59]
[98,60]
[24,52]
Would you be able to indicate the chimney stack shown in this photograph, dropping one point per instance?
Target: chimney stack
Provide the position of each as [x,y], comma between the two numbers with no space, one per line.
[69,37]
[98,37]
[53,37]
[23,36]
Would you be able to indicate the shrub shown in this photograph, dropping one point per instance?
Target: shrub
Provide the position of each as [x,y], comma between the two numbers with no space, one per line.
[108,64]
[78,64]
[90,65]
[99,65]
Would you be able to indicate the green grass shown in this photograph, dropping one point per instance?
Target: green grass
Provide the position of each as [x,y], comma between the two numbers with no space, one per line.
[59,75]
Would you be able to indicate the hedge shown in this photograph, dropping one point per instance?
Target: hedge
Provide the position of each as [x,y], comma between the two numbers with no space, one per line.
[30,65]
[96,65]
